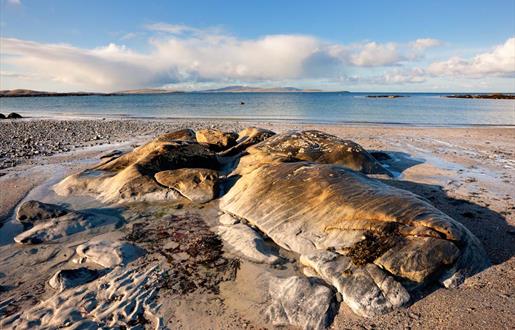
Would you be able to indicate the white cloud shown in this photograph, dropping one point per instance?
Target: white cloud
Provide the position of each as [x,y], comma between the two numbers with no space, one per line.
[183,55]
[425,43]
[500,61]
[14,2]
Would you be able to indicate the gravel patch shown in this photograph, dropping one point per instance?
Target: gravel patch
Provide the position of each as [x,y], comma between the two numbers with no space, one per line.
[24,140]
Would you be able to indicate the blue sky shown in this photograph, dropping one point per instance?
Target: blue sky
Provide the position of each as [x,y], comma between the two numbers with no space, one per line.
[333,45]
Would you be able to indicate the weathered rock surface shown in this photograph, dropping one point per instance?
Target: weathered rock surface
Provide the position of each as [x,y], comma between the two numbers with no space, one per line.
[131,176]
[69,278]
[216,139]
[108,253]
[307,192]
[53,228]
[199,185]
[308,208]
[246,138]
[32,211]
[319,147]
[299,301]
[120,299]
[248,243]
[367,290]
[227,219]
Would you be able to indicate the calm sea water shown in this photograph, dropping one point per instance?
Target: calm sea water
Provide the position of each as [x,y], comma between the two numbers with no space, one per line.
[417,109]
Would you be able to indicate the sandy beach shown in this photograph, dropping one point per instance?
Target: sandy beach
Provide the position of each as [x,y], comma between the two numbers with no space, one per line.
[466,172]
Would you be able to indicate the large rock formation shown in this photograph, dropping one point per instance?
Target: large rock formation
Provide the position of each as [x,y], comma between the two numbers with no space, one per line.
[378,230]
[319,147]
[310,194]
[130,177]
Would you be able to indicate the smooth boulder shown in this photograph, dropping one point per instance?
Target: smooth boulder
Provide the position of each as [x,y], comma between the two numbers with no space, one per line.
[14,115]
[308,208]
[299,301]
[33,211]
[319,147]
[199,185]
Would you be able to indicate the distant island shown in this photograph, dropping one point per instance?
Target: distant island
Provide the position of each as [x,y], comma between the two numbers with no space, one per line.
[494,96]
[228,89]
[32,93]
[386,96]
[247,89]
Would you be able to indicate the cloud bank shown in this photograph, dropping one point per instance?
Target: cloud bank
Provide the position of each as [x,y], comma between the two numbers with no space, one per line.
[181,54]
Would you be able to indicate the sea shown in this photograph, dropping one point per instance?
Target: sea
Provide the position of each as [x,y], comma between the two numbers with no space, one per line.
[422,109]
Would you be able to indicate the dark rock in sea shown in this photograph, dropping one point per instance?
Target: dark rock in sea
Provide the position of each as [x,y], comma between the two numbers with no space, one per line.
[69,278]
[2,116]
[495,96]
[386,96]
[35,211]
[14,115]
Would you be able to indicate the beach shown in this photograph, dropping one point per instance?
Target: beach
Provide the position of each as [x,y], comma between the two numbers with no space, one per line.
[466,172]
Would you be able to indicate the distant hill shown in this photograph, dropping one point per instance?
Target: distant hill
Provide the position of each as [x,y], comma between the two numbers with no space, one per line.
[31,93]
[148,91]
[247,89]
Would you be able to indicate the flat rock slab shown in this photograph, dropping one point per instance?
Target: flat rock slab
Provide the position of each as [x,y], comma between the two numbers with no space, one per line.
[108,253]
[199,185]
[248,243]
[55,228]
[300,302]
[69,278]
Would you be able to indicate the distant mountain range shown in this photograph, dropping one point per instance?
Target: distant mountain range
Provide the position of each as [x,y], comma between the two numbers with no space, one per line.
[228,89]
[247,89]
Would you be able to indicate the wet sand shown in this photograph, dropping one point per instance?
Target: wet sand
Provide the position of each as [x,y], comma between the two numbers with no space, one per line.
[467,173]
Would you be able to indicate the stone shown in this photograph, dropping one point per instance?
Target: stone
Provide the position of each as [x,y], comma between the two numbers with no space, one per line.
[108,253]
[112,154]
[199,185]
[246,138]
[319,147]
[308,208]
[227,219]
[130,177]
[33,211]
[300,302]
[69,278]
[367,290]
[248,243]
[2,116]
[14,115]
[54,228]
[216,139]
[187,135]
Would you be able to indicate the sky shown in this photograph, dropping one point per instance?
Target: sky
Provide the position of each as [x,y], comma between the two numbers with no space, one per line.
[417,46]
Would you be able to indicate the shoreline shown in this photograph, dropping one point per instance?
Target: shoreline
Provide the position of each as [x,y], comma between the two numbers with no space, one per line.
[93,117]
[465,172]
